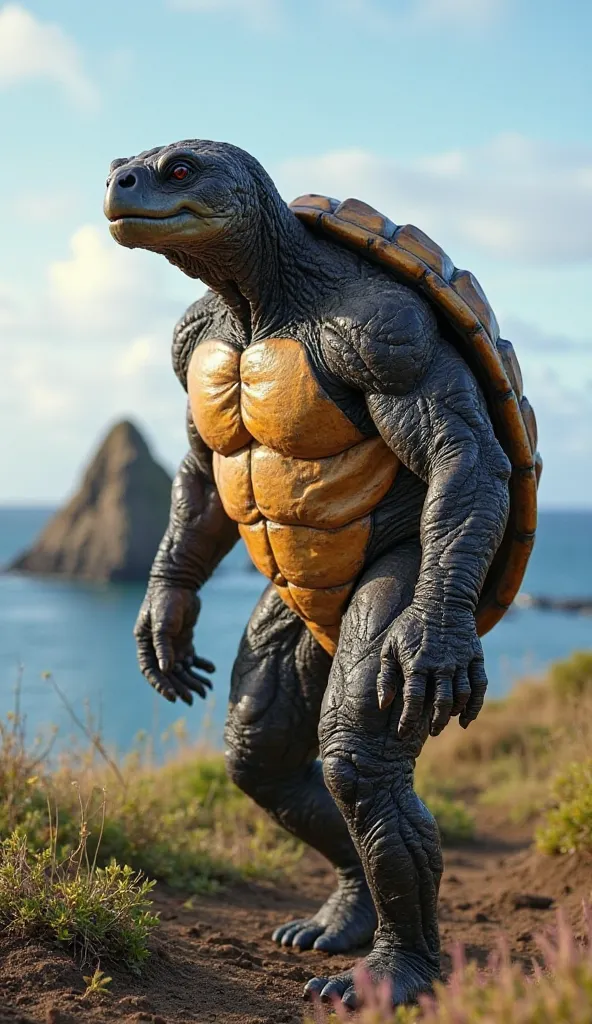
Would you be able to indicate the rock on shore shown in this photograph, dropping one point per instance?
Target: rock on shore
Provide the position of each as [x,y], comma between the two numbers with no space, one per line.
[110,529]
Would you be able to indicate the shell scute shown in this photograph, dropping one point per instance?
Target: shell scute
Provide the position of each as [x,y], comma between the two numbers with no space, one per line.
[364,216]
[530,420]
[467,285]
[511,365]
[350,234]
[415,241]
[517,442]
[312,201]
[400,262]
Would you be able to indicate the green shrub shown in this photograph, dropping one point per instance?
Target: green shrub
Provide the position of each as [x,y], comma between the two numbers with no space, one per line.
[94,912]
[183,823]
[572,679]
[455,822]
[568,825]
[559,993]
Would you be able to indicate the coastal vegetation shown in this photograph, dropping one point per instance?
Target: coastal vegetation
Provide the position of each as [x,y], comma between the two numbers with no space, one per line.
[83,836]
[525,761]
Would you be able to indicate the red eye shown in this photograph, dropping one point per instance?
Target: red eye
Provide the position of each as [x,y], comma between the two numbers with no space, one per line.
[180,172]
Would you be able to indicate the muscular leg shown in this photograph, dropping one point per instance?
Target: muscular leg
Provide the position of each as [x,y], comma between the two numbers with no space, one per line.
[369,771]
[271,736]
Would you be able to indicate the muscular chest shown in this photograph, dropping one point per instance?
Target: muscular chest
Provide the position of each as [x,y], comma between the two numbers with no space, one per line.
[269,392]
[297,474]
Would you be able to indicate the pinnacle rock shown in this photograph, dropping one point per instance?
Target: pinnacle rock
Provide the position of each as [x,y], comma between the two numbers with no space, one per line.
[111,527]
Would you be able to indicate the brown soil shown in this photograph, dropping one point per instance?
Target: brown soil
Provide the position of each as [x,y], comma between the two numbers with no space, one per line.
[215,961]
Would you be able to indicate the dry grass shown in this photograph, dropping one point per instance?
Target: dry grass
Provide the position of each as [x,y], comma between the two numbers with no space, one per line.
[558,992]
[182,822]
[509,757]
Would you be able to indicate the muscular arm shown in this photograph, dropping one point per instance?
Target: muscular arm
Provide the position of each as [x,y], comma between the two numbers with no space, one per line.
[442,432]
[199,533]
[427,406]
[198,536]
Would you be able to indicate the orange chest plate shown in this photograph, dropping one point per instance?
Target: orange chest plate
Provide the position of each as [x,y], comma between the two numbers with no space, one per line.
[267,392]
[291,469]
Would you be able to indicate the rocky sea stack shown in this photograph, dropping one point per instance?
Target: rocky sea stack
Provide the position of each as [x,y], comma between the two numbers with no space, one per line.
[110,529]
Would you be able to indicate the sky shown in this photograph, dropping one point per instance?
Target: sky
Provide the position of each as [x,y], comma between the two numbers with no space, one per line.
[469,118]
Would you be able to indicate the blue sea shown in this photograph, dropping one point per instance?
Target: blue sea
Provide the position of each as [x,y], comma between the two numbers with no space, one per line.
[82,634]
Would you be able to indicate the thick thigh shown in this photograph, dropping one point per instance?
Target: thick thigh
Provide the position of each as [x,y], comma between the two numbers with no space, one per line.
[278,682]
[352,725]
[368,768]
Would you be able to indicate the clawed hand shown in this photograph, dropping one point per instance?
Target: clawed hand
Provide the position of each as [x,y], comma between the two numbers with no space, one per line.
[419,650]
[164,638]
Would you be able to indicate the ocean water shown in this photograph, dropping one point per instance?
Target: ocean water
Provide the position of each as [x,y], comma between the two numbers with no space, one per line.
[82,634]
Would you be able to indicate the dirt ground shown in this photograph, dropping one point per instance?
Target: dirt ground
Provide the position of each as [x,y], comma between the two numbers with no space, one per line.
[214,961]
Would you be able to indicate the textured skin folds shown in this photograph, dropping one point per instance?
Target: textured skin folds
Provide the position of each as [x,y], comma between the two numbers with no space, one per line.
[369,770]
[334,424]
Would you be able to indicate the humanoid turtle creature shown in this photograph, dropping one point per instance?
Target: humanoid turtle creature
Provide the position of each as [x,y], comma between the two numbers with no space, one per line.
[355,417]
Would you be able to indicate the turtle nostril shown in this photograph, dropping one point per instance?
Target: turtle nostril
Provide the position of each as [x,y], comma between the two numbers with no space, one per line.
[127,181]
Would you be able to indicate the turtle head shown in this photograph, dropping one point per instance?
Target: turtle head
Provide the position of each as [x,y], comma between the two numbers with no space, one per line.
[189,201]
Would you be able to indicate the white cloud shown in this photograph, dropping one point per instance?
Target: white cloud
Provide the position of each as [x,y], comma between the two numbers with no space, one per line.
[31,48]
[512,198]
[41,209]
[101,287]
[419,15]
[565,440]
[372,14]
[465,11]
[537,342]
[262,13]
[93,347]
[143,352]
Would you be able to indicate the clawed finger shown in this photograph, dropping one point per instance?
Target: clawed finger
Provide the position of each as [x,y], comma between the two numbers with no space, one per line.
[189,666]
[204,664]
[462,691]
[413,703]
[443,702]
[199,684]
[478,682]
[160,684]
[387,682]
[178,681]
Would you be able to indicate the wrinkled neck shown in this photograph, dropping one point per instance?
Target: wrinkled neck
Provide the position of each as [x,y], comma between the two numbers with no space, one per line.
[272,269]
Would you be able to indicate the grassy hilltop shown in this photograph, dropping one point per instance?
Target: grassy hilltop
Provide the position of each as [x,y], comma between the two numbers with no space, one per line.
[84,837]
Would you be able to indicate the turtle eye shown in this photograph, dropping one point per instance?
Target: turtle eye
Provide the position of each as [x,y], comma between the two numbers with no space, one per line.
[179,172]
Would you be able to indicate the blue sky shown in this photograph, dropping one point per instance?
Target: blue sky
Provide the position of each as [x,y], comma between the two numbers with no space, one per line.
[470,118]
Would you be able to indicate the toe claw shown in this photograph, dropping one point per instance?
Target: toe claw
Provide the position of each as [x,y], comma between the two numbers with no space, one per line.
[290,933]
[328,943]
[283,929]
[333,990]
[305,938]
[350,999]
[314,987]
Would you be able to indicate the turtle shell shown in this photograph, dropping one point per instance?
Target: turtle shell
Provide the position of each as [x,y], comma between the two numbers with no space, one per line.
[468,321]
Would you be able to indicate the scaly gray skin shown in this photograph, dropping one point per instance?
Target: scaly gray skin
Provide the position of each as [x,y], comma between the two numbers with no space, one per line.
[408,656]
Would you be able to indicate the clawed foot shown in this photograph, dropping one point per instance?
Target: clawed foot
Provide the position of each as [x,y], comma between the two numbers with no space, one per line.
[346,921]
[406,975]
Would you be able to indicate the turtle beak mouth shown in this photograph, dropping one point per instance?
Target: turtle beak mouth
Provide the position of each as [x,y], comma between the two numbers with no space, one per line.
[163,231]
[141,217]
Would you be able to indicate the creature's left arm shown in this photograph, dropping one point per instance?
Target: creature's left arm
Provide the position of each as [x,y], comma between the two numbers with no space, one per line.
[427,406]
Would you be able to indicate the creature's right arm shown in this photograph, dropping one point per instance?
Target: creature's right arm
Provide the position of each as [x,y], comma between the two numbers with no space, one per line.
[199,533]
[198,536]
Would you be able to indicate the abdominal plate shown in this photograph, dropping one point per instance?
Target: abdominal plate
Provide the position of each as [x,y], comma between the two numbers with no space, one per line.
[292,470]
